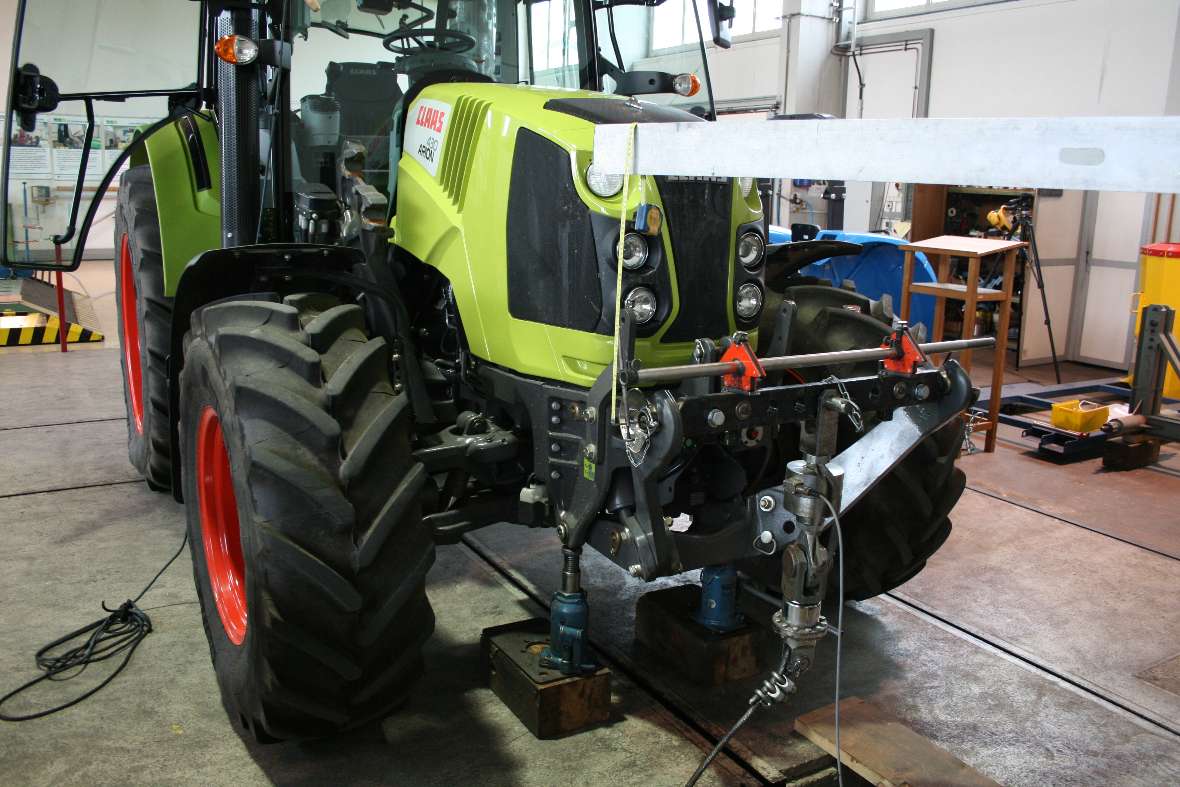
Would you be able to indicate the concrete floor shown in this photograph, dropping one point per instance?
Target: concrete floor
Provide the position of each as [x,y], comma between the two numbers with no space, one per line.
[1030,647]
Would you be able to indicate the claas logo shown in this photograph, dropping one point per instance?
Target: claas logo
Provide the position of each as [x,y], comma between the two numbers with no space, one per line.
[431,118]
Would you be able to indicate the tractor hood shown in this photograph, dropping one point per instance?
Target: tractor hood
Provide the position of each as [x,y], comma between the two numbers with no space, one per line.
[493,190]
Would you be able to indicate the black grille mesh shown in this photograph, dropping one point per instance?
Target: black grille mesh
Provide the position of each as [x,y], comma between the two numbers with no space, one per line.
[552,264]
[698,220]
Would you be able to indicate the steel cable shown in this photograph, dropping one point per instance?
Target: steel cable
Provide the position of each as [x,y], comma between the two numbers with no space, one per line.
[121,631]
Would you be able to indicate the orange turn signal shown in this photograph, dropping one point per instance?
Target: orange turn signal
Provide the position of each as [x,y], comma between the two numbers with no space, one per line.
[686,84]
[236,50]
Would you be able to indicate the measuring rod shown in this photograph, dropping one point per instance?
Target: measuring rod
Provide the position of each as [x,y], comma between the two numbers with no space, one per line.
[1094,153]
[668,374]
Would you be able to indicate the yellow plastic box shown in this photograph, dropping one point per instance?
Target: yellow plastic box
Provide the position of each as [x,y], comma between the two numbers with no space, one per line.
[1074,415]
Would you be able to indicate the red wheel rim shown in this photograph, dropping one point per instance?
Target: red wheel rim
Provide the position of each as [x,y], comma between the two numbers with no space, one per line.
[130,319]
[219,527]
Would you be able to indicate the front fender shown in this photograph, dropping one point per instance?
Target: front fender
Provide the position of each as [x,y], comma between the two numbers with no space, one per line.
[185,157]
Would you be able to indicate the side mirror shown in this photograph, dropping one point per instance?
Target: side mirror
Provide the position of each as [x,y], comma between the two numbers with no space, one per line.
[33,93]
[720,22]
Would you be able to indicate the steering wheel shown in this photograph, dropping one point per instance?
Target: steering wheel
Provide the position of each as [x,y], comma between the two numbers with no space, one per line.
[399,41]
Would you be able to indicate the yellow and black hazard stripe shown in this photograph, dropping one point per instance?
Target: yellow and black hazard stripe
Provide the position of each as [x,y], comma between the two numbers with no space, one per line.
[30,328]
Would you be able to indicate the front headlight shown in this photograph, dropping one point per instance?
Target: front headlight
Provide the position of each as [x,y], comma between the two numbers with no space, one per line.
[750,248]
[634,251]
[603,185]
[749,301]
[642,304]
[746,185]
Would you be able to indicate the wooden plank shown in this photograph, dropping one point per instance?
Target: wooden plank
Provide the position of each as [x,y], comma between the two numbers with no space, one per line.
[1001,353]
[883,750]
[929,211]
[907,279]
[963,245]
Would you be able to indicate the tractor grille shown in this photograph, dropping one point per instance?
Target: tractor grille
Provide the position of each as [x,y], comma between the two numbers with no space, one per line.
[553,268]
[467,120]
[698,224]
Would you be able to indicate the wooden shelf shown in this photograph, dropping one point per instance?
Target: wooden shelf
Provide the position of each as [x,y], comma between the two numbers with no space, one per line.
[956,292]
[990,192]
[940,250]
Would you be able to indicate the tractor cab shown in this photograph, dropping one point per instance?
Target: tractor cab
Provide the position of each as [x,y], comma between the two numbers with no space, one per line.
[374,60]
[333,78]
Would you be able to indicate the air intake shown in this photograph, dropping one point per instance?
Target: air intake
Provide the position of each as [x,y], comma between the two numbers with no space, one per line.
[462,136]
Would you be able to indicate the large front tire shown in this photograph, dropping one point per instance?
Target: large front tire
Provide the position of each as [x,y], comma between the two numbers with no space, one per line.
[145,325]
[903,520]
[308,547]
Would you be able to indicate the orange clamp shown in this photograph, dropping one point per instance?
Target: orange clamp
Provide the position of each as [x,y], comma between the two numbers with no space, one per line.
[746,379]
[908,357]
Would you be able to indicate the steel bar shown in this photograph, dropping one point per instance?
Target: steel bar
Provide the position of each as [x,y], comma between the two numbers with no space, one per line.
[62,324]
[668,374]
[1171,350]
[1095,153]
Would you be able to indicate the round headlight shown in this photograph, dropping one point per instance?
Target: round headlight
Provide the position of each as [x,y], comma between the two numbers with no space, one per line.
[749,301]
[746,185]
[750,248]
[642,304]
[634,251]
[602,184]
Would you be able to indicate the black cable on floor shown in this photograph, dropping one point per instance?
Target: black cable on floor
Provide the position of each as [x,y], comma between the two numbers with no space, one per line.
[121,631]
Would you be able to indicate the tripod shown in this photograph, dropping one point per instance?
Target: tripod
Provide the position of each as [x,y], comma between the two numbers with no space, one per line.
[1019,223]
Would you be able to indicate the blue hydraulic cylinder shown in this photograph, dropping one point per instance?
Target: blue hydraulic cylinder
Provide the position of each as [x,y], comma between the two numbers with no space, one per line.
[568,650]
[718,610]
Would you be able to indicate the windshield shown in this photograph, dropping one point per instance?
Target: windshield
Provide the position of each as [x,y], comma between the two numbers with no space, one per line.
[352,69]
[86,48]
[628,38]
[418,36]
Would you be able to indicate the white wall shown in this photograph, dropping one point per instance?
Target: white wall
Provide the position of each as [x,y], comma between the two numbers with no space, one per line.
[1048,57]
[749,70]
[1029,58]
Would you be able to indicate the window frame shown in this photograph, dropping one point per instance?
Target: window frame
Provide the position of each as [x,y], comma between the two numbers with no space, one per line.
[757,35]
[927,7]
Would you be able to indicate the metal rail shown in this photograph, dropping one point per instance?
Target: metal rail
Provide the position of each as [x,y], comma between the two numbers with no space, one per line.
[670,374]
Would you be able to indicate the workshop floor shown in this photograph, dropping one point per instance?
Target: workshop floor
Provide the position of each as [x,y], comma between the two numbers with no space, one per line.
[1041,645]
[1042,373]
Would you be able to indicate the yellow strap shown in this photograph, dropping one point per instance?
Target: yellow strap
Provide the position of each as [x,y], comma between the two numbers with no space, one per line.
[629,164]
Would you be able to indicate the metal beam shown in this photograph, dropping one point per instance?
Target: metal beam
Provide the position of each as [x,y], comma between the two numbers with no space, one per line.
[1104,154]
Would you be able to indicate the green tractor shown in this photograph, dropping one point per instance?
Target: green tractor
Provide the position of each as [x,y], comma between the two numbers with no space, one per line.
[374,294]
